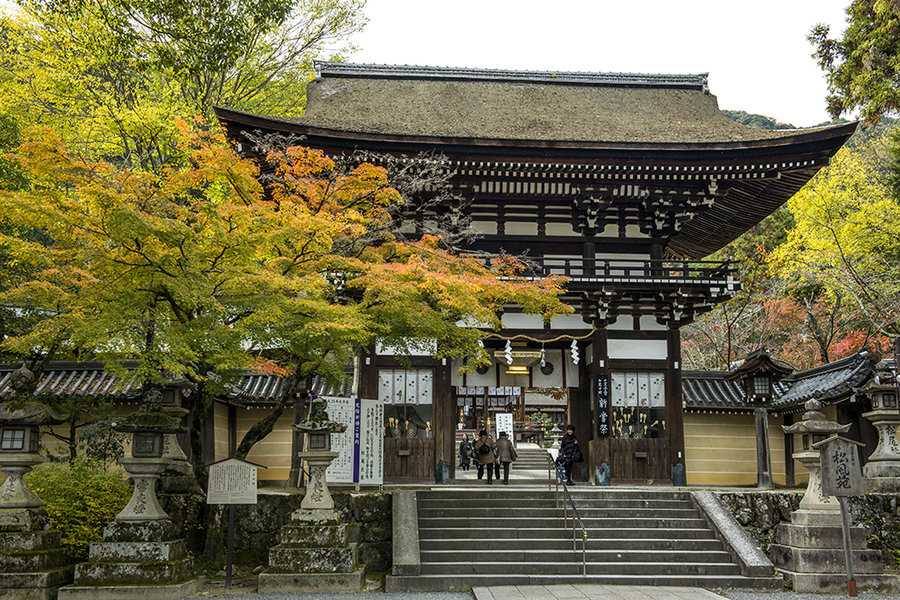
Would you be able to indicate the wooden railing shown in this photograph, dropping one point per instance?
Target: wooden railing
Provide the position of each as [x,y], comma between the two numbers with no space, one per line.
[624,269]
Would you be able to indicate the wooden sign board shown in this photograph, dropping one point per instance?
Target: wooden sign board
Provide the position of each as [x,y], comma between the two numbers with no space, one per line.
[232,481]
[841,469]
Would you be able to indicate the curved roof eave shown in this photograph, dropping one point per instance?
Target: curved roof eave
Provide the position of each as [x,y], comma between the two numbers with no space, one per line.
[831,133]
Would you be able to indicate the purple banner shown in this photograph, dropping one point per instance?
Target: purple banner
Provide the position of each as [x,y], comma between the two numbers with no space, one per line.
[357,433]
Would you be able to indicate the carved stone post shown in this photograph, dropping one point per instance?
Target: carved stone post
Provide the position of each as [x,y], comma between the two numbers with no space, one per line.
[882,471]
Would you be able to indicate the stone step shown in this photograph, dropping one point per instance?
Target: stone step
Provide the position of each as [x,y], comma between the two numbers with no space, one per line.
[499,531]
[549,567]
[565,543]
[519,502]
[33,561]
[578,493]
[585,512]
[36,580]
[593,556]
[136,552]
[19,541]
[289,559]
[133,573]
[590,522]
[462,583]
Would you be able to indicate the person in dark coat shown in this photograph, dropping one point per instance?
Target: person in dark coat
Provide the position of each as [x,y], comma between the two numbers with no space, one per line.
[505,453]
[485,457]
[567,447]
[465,452]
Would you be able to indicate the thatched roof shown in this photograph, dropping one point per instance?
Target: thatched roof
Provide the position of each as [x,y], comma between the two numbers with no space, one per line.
[519,105]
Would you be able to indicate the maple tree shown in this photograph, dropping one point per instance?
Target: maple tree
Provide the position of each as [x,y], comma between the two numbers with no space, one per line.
[846,242]
[112,77]
[185,268]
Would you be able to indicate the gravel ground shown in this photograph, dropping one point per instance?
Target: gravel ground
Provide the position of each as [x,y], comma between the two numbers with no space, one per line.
[360,596]
[756,595]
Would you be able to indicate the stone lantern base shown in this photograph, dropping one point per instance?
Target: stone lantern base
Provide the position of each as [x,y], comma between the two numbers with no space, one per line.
[136,559]
[316,554]
[33,565]
[810,553]
[141,552]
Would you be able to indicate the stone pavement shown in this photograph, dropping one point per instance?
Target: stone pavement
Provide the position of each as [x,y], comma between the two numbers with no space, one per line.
[591,592]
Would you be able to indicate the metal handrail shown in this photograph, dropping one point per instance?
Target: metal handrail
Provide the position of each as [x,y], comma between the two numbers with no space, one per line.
[551,468]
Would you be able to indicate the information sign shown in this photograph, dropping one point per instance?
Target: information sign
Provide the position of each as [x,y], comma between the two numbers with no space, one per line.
[361,447]
[232,481]
[504,422]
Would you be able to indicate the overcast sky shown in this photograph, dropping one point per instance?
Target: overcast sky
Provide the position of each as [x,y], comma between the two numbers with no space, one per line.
[756,53]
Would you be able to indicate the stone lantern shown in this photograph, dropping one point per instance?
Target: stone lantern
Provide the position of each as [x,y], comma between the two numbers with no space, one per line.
[140,552]
[882,471]
[814,428]
[757,375]
[317,430]
[810,549]
[147,427]
[178,477]
[20,421]
[317,551]
[32,562]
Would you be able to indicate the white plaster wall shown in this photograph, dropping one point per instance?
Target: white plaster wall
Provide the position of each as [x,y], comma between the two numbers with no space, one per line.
[522,321]
[647,349]
[485,227]
[623,256]
[521,228]
[648,323]
[560,229]
[573,321]
[623,323]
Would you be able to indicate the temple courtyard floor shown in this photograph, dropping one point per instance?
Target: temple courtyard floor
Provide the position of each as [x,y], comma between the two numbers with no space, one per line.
[554,592]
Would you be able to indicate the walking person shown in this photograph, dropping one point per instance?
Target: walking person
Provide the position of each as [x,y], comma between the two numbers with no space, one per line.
[465,452]
[506,453]
[484,450]
[568,447]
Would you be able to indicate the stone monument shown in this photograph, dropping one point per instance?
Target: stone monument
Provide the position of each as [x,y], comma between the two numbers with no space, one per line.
[882,471]
[317,552]
[140,555]
[810,550]
[32,563]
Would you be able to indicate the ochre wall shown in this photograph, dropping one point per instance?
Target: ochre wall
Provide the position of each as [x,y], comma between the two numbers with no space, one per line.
[220,429]
[274,450]
[720,449]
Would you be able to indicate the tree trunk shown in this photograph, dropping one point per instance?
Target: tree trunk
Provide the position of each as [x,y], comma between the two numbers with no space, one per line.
[291,392]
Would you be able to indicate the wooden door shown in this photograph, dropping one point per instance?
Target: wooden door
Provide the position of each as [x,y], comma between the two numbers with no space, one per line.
[644,459]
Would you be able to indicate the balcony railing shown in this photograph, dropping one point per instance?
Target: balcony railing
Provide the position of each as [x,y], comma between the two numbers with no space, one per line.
[630,271]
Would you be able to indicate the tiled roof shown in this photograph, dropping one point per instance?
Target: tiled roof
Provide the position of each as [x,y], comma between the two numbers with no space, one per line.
[827,382]
[75,379]
[91,379]
[709,390]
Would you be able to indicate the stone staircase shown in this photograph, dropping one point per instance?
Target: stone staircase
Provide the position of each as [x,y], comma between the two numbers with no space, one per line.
[530,458]
[492,536]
